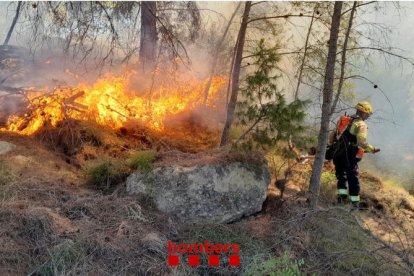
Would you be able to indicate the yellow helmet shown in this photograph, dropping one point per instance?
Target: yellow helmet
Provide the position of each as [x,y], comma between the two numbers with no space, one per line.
[364,107]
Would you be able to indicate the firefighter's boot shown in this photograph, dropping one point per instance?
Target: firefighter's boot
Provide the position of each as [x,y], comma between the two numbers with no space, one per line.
[342,196]
[357,204]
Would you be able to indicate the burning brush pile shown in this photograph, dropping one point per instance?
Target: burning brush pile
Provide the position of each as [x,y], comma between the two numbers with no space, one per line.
[173,111]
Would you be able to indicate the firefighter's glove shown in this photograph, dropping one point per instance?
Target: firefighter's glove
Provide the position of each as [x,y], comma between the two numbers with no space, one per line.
[376,150]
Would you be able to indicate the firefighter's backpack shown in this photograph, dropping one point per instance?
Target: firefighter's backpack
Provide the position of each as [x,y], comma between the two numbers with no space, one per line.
[336,147]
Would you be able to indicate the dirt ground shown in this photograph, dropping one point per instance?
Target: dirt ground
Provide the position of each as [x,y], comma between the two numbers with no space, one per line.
[53,222]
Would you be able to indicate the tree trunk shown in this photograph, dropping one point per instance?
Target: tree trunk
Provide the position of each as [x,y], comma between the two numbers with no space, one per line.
[215,57]
[343,59]
[326,107]
[304,56]
[233,55]
[235,76]
[16,17]
[147,51]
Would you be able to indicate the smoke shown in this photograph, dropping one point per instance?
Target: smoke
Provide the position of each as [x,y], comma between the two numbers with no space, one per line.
[392,126]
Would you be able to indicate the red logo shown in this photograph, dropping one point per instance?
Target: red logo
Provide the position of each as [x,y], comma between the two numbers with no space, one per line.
[194,250]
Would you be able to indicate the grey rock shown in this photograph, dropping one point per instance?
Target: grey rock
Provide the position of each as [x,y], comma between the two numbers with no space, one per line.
[206,193]
[6,147]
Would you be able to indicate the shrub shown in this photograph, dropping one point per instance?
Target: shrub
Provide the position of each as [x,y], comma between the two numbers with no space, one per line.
[328,185]
[105,174]
[142,160]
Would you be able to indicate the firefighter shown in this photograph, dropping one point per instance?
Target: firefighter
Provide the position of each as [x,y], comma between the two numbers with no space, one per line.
[351,139]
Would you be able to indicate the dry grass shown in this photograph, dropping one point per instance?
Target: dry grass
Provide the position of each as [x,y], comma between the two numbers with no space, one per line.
[385,230]
[338,243]
[52,224]
[82,234]
[251,250]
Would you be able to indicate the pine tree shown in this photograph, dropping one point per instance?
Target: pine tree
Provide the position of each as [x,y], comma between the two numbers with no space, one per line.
[263,107]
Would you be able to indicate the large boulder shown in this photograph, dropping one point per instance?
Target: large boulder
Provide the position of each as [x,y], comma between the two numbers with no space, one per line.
[213,193]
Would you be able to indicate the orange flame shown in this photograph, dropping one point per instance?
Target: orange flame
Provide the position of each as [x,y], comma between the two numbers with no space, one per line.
[110,102]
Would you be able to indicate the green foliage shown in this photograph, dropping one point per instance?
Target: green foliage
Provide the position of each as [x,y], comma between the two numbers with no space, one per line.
[328,185]
[63,258]
[142,160]
[275,267]
[263,108]
[104,174]
[328,178]
[305,139]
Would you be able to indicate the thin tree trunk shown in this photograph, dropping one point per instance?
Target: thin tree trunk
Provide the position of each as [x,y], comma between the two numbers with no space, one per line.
[233,56]
[296,95]
[215,57]
[304,56]
[16,17]
[235,76]
[326,107]
[147,51]
[343,59]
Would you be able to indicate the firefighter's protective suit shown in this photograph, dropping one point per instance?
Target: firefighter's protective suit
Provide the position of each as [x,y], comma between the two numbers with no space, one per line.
[353,134]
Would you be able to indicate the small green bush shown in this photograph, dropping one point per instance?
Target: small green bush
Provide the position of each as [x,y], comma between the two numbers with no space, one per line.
[142,160]
[328,178]
[280,266]
[104,174]
[328,185]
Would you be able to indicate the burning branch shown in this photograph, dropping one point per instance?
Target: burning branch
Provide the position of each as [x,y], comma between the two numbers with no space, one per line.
[107,102]
[50,108]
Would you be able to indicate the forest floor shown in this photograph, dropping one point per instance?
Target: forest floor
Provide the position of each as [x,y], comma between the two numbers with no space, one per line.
[55,221]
